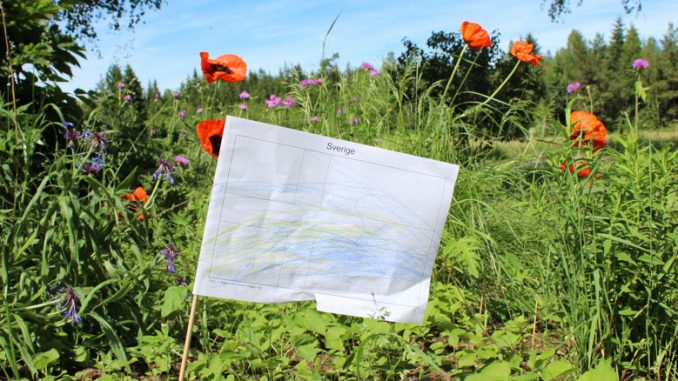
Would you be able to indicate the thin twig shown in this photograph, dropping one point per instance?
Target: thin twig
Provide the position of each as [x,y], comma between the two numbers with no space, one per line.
[534,325]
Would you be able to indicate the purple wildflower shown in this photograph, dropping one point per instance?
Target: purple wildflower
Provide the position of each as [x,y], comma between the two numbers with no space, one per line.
[273,101]
[175,94]
[127,98]
[181,160]
[367,66]
[70,299]
[182,114]
[86,134]
[314,119]
[573,87]
[94,166]
[98,140]
[171,253]
[165,169]
[199,110]
[640,64]
[289,102]
[121,85]
[243,106]
[71,135]
[244,95]
[157,96]
[310,82]
[354,121]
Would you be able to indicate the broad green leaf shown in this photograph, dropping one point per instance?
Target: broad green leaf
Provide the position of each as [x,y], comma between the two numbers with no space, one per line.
[602,372]
[43,359]
[556,369]
[495,371]
[174,300]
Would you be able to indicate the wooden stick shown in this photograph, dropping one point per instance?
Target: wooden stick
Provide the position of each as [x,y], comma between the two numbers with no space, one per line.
[187,343]
[534,326]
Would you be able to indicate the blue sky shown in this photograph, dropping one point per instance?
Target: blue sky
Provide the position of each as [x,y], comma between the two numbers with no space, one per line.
[271,33]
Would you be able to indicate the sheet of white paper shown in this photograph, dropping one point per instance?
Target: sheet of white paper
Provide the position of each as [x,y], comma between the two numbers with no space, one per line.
[296,216]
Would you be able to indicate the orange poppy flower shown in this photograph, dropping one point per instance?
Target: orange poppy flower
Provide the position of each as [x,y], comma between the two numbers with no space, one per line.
[587,128]
[523,52]
[475,36]
[138,195]
[581,173]
[210,133]
[227,67]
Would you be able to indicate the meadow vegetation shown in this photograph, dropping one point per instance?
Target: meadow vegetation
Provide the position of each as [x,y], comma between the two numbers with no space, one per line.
[558,260]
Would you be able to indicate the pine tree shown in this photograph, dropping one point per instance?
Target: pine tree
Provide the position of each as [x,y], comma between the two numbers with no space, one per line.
[667,68]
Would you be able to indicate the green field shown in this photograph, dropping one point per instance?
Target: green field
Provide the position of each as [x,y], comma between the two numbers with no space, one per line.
[543,273]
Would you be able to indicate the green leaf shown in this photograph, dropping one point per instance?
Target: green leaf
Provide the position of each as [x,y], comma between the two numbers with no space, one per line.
[557,369]
[307,352]
[43,359]
[174,300]
[495,371]
[602,372]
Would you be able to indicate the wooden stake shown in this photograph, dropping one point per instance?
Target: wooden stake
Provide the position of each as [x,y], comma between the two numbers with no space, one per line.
[187,343]
[534,325]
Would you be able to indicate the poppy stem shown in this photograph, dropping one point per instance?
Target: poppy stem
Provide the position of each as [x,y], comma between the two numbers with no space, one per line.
[491,97]
[465,76]
[454,71]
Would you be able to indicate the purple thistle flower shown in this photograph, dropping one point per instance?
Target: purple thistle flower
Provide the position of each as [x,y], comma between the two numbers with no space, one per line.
[165,169]
[175,94]
[127,98]
[157,96]
[289,102]
[367,66]
[121,85]
[94,166]
[354,121]
[573,87]
[640,64]
[171,253]
[244,95]
[182,114]
[273,101]
[199,110]
[243,106]
[70,299]
[314,119]
[181,160]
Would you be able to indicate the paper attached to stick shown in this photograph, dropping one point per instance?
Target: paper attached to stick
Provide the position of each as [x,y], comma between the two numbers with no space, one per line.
[295,216]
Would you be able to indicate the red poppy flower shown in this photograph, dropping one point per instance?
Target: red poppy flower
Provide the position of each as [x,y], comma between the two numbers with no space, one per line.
[523,52]
[227,67]
[475,36]
[587,128]
[210,133]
